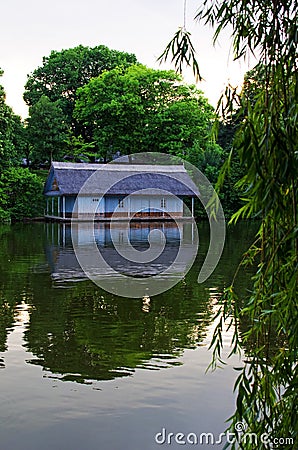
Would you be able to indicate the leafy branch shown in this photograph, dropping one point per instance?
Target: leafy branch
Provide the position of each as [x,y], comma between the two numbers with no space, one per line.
[183,52]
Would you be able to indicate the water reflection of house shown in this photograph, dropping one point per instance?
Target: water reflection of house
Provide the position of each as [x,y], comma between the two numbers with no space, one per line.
[114,190]
[65,267]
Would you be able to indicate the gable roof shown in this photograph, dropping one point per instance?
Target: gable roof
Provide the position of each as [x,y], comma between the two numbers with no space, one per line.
[118,179]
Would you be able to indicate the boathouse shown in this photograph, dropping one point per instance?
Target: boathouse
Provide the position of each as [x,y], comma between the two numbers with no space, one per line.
[124,191]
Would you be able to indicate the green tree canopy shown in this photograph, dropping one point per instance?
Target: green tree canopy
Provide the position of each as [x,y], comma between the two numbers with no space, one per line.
[46,130]
[9,131]
[20,194]
[63,72]
[140,109]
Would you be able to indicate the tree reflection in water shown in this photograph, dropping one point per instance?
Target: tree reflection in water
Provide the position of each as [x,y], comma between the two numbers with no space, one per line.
[76,331]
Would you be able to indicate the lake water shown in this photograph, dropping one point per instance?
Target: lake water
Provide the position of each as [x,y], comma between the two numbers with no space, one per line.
[84,369]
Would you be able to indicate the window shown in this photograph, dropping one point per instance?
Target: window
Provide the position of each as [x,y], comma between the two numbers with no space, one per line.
[163,203]
[120,203]
[95,199]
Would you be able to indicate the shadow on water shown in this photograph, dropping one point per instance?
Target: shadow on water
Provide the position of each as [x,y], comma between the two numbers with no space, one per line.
[79,332]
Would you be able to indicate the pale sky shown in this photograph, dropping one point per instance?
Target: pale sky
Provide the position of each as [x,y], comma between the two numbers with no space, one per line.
[30,29]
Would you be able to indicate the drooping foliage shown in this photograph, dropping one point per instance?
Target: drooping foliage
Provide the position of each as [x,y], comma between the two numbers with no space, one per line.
[266,145]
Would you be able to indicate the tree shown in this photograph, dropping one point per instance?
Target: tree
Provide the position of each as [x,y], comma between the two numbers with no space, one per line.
[266,143]
[139,109]
[20,194]
[9,124]
[62,73]
[46,131]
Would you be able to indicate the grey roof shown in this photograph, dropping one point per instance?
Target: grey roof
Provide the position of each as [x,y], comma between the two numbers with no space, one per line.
[119,179]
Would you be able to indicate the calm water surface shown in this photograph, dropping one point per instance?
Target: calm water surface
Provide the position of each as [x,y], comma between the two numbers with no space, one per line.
[82,369]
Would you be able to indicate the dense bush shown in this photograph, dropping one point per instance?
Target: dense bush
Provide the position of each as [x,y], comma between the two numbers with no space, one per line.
[20,194]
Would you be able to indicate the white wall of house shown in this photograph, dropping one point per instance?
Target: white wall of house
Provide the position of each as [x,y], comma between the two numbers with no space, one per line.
[90,205]
[170,204]
[95,204]
[146,204]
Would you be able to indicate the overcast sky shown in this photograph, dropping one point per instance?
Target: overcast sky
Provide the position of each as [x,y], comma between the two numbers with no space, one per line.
[31,29]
